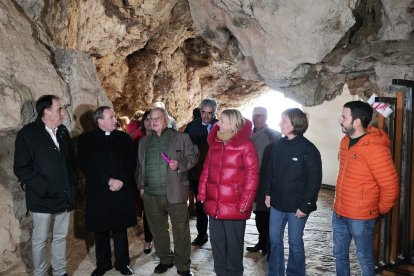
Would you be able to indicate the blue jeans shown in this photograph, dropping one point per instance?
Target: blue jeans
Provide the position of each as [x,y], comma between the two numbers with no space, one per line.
[362,231]
[296,262]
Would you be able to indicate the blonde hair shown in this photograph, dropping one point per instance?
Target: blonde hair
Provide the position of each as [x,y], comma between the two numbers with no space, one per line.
[138,115]
[236,119]
[123,121]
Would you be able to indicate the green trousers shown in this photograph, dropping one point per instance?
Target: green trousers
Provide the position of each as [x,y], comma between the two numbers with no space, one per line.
[157,210]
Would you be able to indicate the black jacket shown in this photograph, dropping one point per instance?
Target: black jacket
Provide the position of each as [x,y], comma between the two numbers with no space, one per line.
[198,134]
[46,172]
[294,175]
[102,157]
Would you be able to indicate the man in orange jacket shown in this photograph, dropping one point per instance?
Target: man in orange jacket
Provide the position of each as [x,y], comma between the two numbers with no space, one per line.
[367,186]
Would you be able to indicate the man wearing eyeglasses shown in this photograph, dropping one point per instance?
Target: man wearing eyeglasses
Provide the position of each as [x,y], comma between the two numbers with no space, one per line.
[263,137]
[198,131]
[44,164]
[164,158]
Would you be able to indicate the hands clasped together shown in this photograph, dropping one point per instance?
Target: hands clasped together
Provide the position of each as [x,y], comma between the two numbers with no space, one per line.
[115,184]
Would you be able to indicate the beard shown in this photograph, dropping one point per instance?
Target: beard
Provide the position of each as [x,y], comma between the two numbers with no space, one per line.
[348,130]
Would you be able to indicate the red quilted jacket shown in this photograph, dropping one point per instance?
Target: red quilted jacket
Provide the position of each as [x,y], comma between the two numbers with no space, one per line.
[367,182]
[230,175]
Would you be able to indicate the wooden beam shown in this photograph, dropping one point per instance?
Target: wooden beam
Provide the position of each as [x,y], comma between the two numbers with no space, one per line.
[411,233]
[395,227]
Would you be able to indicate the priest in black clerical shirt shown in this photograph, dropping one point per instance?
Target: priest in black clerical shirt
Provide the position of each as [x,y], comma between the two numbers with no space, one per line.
[106,159]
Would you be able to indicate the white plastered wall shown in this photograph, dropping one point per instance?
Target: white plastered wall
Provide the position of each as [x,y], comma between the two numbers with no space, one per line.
[324,131]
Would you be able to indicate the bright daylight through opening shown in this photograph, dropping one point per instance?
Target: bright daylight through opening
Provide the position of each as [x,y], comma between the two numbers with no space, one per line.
[275,103]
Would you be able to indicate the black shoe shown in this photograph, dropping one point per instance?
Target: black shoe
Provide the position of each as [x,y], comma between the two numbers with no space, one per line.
[100,271]
[185,273]
[149,249]
[200,240]
[254,248]
[161,268]
[126,270]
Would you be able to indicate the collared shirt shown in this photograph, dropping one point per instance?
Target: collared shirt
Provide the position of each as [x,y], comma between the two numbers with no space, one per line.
[208,126]
[52,133]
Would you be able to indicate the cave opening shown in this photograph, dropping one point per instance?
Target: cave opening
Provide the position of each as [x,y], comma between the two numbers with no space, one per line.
[275,102]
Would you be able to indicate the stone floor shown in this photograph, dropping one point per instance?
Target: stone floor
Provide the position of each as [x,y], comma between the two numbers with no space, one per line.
[317,242]
[317,237]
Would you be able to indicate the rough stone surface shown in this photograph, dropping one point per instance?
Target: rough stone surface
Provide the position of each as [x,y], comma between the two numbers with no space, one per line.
[309,49]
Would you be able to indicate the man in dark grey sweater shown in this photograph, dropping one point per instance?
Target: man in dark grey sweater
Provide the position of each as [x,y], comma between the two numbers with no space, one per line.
[262,137]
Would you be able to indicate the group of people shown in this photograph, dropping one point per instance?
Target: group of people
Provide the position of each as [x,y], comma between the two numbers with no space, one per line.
[232,165]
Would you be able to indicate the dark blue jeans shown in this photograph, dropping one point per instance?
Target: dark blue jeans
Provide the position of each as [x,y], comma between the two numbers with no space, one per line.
[362,231]
[296,262]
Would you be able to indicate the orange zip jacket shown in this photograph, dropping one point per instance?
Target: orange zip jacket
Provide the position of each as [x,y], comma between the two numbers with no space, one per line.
[367,183]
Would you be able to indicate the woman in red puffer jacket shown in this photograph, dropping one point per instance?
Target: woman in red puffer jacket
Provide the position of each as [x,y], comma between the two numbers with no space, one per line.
[228,185]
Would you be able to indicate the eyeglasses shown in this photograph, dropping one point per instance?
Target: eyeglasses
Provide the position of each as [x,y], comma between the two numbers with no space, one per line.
[207,113]
[258,115]
[155,118]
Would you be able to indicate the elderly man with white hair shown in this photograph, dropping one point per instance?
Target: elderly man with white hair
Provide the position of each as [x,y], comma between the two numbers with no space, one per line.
[262,137]
[164,158]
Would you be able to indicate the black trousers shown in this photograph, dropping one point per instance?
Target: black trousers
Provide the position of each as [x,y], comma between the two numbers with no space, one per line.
[227,242]
[103,249]
[202,218]
[262,225]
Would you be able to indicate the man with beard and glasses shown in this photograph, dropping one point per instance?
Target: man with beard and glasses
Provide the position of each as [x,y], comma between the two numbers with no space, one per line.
[367,186]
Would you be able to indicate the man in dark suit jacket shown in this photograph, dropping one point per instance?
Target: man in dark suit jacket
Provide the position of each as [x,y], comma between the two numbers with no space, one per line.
[198,130]
[44,163]
[106,159]
[164,157]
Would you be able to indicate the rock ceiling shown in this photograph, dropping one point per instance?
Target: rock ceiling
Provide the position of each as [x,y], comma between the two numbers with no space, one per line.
[180,51]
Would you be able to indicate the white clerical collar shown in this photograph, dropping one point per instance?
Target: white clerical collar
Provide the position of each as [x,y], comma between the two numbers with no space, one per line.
[107,133]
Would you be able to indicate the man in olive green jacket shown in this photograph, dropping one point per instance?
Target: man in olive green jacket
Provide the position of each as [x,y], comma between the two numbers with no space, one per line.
[164,157]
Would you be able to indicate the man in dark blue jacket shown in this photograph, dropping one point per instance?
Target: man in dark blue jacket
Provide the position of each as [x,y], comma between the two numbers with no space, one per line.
[43,162]
[198,130]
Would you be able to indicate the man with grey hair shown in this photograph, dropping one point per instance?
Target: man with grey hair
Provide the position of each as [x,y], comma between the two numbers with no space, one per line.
[198,130]
[171,121]
[263,137]
[164,158]
[44,163]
